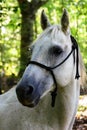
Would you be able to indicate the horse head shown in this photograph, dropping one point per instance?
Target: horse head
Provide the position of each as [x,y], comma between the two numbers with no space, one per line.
[50,49]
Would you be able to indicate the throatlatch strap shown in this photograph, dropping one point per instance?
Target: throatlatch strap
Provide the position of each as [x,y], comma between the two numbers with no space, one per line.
[50,69]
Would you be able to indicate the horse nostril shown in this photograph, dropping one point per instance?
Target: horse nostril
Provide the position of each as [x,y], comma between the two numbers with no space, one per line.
[29,90]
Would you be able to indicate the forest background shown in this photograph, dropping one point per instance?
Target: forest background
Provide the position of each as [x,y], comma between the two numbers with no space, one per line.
[20,25]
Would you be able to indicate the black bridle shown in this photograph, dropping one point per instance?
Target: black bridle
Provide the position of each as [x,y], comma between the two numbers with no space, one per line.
[50,69]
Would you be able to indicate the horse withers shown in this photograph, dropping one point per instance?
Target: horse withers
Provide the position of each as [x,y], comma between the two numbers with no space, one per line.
[49,88]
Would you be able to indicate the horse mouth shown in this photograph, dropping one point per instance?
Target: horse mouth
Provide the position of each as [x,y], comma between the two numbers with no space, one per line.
[30,104]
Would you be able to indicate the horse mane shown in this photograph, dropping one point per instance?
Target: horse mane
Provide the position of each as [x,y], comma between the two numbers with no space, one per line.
[52,30]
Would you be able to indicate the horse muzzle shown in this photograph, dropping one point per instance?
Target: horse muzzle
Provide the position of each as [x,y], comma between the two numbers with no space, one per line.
[27,95]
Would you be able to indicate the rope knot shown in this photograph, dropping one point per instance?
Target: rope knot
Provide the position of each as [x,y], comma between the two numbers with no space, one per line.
[53,94]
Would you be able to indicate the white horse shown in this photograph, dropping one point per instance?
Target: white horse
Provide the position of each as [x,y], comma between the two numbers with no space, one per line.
[55,62]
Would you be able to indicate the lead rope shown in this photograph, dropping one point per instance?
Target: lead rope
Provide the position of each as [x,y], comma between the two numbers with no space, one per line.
[77,56]
[54,92]
[50,69]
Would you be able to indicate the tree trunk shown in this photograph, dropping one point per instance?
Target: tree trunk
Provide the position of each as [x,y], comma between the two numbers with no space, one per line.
[28,12]
[26,40]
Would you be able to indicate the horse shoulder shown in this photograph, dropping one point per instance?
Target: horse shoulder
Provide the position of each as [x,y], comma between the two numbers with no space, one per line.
[10,111]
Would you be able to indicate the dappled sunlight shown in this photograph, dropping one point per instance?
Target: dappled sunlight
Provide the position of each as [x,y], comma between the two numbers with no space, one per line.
[11,20]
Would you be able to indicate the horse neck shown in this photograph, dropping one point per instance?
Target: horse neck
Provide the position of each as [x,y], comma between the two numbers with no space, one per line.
[60,117]
[65,107]
[66,93]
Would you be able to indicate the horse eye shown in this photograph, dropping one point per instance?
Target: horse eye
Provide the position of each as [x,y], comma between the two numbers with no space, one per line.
[56,50]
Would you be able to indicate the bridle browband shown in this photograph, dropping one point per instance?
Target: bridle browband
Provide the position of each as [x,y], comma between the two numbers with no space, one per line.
[50,69]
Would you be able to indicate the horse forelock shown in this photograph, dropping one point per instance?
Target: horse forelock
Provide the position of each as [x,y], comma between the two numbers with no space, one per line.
[51,32]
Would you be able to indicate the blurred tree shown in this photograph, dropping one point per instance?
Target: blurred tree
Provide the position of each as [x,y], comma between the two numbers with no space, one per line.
[28,11]
[26,16]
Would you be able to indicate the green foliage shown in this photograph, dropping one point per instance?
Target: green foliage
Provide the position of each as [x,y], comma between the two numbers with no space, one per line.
[82,108]
[10,37]
[10,21]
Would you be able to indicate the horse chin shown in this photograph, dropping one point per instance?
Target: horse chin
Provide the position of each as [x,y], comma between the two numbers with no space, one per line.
[32,103]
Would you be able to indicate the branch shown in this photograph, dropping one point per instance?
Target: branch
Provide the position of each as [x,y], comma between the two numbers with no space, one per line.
[21,1]
[24,6]
[30,7]
[38,3]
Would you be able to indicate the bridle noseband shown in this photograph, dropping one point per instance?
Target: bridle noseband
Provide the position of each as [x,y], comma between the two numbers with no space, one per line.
[50,69]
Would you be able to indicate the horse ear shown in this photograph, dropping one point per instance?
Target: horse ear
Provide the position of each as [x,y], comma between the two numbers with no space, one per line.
[65,21]
[44,21]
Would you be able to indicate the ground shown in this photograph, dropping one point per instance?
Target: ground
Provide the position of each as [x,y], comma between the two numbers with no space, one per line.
[81,116]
